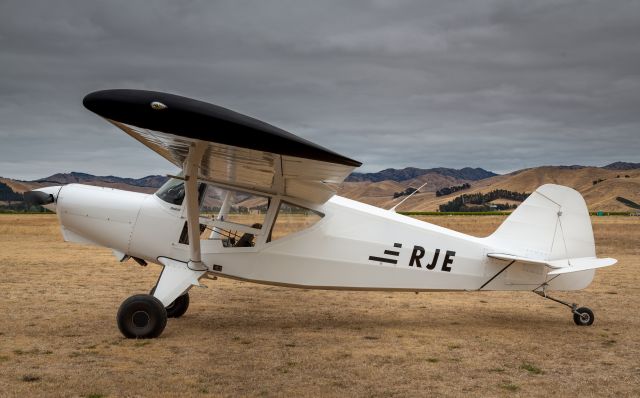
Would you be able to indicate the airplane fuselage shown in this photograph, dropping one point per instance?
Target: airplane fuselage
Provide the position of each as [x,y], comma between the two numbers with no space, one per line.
[353,247]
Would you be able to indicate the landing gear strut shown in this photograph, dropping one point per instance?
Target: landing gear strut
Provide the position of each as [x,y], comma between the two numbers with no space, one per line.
[582,316]
[178,307]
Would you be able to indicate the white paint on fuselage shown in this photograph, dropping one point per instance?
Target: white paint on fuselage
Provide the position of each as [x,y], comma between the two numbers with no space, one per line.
[334,253]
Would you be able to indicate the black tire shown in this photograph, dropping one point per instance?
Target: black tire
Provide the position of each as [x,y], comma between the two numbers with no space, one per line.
[141,316]
[178,307]
[584,317]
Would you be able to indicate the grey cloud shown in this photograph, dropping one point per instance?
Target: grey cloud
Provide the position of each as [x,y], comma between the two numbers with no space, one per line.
[495,84]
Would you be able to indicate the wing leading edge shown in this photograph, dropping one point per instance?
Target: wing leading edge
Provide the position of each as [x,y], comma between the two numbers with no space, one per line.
[239,150]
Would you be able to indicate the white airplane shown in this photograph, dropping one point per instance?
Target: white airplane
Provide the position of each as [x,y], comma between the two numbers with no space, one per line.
[203,223]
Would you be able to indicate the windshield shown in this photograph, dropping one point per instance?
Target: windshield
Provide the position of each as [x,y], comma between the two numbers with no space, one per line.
[172,191]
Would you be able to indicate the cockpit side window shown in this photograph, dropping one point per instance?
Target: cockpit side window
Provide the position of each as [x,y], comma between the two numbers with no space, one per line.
[234,217]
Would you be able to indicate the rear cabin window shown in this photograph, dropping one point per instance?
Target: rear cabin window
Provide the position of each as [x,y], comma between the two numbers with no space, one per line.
[291,219]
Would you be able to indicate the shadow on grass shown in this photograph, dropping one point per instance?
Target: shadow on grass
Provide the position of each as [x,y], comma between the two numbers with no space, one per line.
[351,320]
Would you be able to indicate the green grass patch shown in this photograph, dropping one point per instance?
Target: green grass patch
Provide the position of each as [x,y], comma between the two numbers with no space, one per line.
[34,351]
[495,213]
[455,213]
[531,368]
[510,387]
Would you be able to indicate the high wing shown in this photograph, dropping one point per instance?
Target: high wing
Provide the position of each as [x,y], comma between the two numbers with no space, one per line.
[237,150]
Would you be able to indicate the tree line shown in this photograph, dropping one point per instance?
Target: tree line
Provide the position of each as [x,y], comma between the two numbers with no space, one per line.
[480,201]
[407,191]
[7,194]
[450,190]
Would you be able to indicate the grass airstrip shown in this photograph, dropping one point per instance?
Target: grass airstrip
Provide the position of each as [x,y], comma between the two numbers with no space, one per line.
[58,334]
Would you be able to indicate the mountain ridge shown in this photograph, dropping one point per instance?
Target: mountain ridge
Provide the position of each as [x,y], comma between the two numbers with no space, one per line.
[622,166]
[153,181]
[407,173]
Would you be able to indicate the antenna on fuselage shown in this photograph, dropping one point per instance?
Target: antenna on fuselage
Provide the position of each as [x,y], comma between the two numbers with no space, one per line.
[393,209]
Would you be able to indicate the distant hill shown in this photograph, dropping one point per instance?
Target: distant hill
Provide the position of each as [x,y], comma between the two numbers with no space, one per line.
[601,195]
[622,166]
[600,186]
[408,173]
[152,181]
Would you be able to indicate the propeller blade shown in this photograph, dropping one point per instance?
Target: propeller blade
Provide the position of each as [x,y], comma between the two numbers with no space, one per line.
[38,198]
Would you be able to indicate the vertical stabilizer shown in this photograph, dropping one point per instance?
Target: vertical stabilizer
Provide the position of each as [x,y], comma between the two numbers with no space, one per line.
[552,224]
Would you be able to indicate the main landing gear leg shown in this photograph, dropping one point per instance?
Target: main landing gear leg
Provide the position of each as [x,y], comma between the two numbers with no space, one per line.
[582,316]
[144,316]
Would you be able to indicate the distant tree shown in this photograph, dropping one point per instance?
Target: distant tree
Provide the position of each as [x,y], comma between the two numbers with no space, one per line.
[450,190]
[7,194]
[407,191]
[480,201]
[628,202]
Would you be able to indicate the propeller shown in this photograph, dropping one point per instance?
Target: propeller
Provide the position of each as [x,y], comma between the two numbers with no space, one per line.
[38,198]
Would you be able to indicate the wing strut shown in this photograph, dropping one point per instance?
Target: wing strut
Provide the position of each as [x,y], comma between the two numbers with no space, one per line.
[190,170]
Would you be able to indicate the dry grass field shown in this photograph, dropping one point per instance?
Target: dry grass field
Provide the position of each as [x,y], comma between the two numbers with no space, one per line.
[58,335]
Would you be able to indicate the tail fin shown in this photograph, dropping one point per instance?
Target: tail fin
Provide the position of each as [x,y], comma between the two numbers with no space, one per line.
[551,224]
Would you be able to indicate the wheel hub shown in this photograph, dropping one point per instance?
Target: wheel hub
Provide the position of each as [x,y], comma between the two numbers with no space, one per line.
[140,319]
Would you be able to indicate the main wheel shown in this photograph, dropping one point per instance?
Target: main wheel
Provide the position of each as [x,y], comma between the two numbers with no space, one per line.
[178,307]
[141,317]
[584,317]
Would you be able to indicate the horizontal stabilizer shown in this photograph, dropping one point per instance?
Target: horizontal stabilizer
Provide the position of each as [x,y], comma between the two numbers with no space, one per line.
[562,266]
[580,264]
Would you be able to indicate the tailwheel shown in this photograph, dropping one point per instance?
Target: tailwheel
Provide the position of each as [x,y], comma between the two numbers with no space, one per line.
[178,307]
[141,316]
[583,316]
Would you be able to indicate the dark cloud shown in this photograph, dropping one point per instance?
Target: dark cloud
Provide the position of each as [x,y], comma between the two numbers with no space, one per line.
[496,84]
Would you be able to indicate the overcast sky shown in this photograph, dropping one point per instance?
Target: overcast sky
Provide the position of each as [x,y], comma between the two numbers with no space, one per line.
[501,85]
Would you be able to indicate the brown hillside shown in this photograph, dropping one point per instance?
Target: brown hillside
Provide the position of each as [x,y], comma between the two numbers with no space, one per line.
[23,186]
[601,196]
[381,193]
